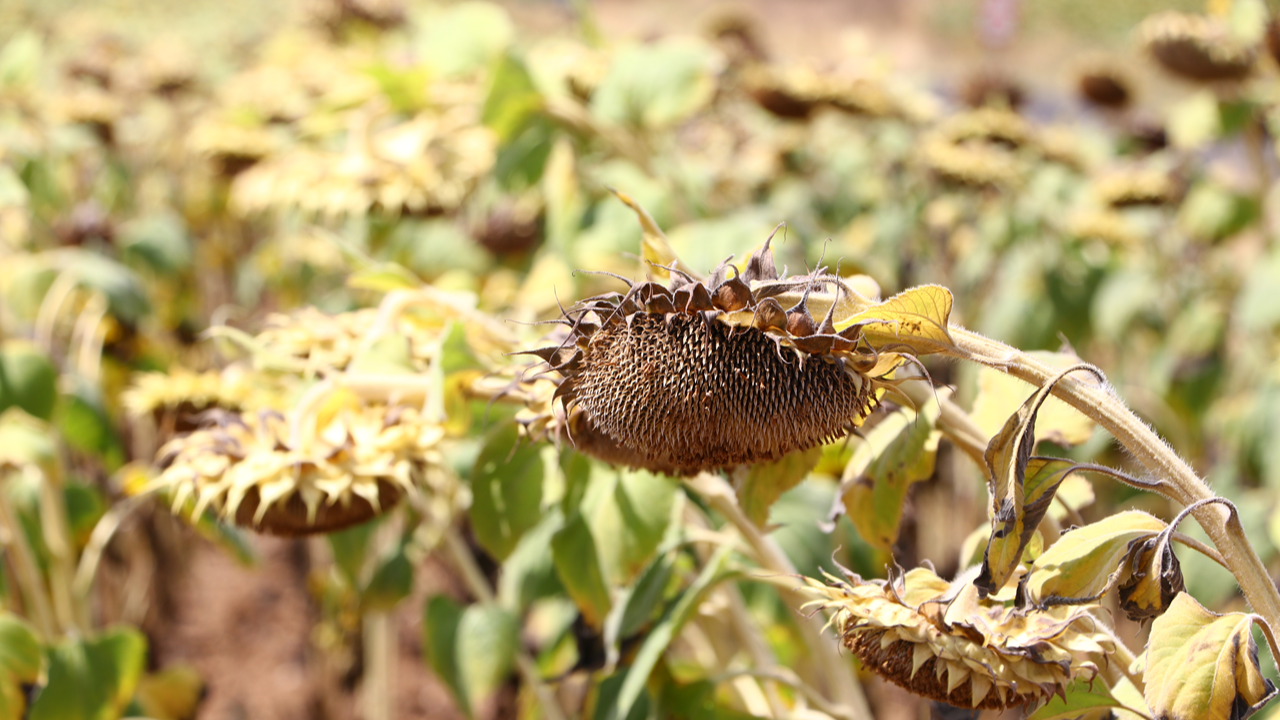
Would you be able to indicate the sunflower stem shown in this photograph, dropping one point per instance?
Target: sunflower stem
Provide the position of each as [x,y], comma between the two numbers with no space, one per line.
[842,685]
[1176,479]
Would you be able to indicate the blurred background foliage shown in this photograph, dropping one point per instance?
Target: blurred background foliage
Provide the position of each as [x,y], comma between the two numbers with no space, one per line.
[1094,174]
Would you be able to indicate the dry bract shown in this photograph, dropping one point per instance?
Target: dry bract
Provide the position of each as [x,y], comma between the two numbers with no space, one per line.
[937,640]
[343,469]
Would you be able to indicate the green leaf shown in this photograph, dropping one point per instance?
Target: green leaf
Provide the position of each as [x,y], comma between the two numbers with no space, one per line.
[404,87]
[645,597]
[1203,665]
[85,506]
[656,642]
[573,550]
[160,241]
[506,488]
[656,85]
[1082,697]
[898,452]
[472,650]
[28,379]
[1083,562]
[440,621]
[466,37]
[348,548]
[92,679]
[125,293]
[512,99]
[392,582]
[628,512]
[83,422]
[529,573]
[765,482]
[20,663]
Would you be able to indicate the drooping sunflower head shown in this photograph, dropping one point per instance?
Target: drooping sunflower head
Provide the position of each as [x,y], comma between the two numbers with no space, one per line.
[937,640]
[289,477]
[1197,47]
[701,374]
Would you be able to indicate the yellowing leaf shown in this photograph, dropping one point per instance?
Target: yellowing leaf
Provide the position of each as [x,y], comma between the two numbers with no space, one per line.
[1082,563]
[655,247]
[765,482]
[1082,697]
[1020,494]
[1000,394]
[1202,665]
[898,452]
[916,317]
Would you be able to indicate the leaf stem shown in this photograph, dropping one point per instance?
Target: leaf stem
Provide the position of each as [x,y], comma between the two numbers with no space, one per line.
[1176,479]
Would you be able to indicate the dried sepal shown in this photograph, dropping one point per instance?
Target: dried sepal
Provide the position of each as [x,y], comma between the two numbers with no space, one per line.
[940,641]
[1154,577]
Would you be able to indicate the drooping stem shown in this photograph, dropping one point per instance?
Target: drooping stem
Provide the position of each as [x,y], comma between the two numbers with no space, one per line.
[842,685]
[1176,479]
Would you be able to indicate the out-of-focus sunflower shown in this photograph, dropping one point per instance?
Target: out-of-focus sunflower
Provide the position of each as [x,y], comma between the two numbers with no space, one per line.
[347,464]
[1197,47]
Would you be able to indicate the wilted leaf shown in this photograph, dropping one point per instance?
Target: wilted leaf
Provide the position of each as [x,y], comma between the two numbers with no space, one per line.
[1020,494]
[766,482]
[656,250]
[573,550]
[899,451]
[1154,577]
[173,693]
[20,662]
[916,317]
[92,679]
[1202,665]
[1000,394]
[506,488]
[1082,562]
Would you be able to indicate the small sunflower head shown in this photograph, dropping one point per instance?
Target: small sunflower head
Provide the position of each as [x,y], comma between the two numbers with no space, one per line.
[230,147]
[176,400]
[342,467]
[741,368]
[938,640]
[1197,47]
[1129,187]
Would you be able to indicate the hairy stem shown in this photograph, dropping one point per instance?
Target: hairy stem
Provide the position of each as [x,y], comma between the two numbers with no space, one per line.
[1176,479]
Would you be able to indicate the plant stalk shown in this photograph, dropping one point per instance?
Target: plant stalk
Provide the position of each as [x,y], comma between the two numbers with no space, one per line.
[1176,479]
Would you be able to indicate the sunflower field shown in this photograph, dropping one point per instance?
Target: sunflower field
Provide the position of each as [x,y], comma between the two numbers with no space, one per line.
[634,360]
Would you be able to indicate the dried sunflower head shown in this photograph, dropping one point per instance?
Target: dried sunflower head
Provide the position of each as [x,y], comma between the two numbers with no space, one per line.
[1104,85]
[342,467]
[744,367]
[233,148]
[974,163]
[1197,47]
[938,640]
